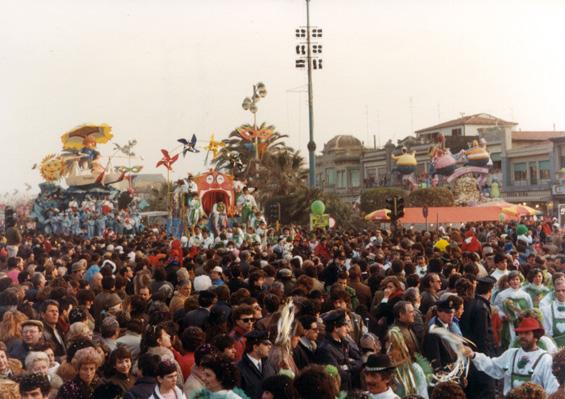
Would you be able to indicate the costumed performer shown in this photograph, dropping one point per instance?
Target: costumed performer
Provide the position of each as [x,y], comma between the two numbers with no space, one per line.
[545,342]
[245,203]
[219,218]
[518,365]
[409,377]
[510,304]
[196,212]
[554,315]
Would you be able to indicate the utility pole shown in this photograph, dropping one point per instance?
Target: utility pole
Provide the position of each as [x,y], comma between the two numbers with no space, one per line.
[311,62]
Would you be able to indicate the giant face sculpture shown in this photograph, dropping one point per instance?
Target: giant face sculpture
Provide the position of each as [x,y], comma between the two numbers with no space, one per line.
[214,187]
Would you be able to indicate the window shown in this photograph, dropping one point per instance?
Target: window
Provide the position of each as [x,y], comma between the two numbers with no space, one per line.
[330,176]
[533,172]
[421,169]
[383,177]
[457,132]
[355,178]
[544,171]
[561,162]
[520,173]
[341,179]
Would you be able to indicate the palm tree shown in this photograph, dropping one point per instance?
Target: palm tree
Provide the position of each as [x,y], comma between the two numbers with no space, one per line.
[281,172]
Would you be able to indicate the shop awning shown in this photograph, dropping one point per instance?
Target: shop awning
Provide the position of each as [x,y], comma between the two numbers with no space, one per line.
[451,215]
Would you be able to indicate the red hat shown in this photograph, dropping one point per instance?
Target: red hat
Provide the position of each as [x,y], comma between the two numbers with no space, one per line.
[529,324]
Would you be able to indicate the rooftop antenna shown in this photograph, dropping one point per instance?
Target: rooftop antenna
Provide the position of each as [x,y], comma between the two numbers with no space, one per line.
[411,116]
[367,121]
[378,129]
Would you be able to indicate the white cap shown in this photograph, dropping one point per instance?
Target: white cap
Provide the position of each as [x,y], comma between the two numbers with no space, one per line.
[110,248]
[109,262]
[217,269]
[202,283]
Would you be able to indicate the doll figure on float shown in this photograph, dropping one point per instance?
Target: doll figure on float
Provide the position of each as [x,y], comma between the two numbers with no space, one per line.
[477,155]
[443,163]
[406,165]
[90,156]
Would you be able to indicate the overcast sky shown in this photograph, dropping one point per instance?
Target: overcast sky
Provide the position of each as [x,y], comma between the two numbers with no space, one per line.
[159,70]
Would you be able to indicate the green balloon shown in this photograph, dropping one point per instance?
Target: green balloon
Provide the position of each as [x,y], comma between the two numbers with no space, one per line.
[521,229]
[318,207]
[501,217]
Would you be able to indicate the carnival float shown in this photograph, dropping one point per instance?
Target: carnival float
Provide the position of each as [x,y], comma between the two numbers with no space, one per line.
[465,172]
[76,195]
[214,199]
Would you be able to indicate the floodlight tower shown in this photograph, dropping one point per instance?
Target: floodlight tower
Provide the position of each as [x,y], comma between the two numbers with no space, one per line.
[306,59]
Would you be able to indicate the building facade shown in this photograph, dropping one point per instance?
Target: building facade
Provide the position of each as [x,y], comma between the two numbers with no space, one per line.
[339,167]
[528,165]
[531,169]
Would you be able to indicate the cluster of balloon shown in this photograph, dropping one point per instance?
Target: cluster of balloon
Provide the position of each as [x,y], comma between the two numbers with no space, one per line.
[317,207]
[521,229]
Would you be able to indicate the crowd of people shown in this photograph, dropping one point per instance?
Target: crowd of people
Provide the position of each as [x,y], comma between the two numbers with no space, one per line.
[476,311]
[55,214]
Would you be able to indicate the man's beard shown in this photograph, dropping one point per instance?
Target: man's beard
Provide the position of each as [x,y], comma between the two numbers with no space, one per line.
[528,345]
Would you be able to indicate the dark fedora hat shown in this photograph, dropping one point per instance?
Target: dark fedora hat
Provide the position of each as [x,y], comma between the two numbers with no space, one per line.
[378,362]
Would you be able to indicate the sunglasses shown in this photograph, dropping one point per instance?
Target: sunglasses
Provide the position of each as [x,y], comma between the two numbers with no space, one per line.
[248,320]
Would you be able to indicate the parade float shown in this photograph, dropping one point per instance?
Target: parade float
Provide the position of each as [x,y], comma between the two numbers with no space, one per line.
[77,190]
[211,199]
[465,173]
[79,162]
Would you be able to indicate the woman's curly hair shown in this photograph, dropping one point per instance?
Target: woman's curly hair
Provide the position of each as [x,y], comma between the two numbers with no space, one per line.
[558,367]
[86,356]
[226,372]
[528,390]
[448,390]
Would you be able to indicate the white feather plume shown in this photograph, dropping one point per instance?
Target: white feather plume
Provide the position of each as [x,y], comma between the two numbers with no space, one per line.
[284,325]
[460,367]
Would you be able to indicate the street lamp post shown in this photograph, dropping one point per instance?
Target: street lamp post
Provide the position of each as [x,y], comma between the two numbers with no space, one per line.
[250,104]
